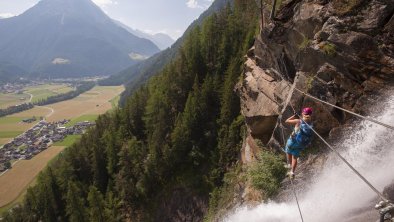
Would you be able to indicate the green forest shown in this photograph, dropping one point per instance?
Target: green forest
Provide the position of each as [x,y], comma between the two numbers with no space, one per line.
[181,129]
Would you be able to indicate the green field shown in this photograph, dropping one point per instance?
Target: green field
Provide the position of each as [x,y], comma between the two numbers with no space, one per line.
[11,99]
[68,141]
[39,92]
[11,119]
[10,134]
[42,92]
[90,118]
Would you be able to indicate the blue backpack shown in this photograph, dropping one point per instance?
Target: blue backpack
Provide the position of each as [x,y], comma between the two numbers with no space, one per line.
[304,134]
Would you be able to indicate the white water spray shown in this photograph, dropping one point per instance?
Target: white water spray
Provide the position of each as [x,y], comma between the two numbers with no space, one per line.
[336,191]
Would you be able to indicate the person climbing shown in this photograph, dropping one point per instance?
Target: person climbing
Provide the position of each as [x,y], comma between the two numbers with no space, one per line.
[299,138]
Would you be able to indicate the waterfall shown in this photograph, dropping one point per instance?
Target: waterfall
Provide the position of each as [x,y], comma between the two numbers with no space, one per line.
[335,192]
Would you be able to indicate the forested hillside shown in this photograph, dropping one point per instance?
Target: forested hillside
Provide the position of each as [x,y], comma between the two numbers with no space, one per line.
[137,75]
[180,131]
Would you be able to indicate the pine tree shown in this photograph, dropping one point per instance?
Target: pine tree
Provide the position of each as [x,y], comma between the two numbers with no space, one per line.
[96,205]
[75,208]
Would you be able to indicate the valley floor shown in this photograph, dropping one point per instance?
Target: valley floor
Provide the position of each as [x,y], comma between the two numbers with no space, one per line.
[85,107]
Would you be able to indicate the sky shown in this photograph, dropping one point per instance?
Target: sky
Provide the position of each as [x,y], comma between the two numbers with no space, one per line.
[171,17]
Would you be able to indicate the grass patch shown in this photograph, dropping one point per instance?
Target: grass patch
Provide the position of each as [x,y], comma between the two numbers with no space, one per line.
[267,173]
[11,119]
[305,43]
[11,99]
[42,92]
[329,49]
[10,134]
[91,93]
[68,141]
[344,6]
[115,102]
[23,147]
[90,118]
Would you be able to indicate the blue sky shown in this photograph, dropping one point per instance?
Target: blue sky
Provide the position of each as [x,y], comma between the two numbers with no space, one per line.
[153,16]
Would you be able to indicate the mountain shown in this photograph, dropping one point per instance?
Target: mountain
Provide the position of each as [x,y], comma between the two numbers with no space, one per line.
[161,157]
[162,41]
[136,75]
[68,38]
[9,72]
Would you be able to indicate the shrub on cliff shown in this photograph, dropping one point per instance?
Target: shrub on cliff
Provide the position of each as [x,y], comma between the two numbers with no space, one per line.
[267,173]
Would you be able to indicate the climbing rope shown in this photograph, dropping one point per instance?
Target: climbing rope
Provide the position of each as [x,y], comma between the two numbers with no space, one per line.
[287,160]
[342,158]
[295,194]
[353,113]
[347,163]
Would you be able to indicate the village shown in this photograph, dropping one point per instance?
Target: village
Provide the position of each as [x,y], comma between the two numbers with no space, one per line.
[37,139]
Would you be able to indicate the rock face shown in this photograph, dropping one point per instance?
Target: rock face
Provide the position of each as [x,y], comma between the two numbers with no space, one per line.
[389,191]
[339,51]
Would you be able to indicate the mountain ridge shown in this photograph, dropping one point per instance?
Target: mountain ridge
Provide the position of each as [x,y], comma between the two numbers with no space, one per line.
[161,40]
[78,32]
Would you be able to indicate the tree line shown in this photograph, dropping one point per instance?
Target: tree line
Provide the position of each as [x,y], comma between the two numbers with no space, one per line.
[181,129]
[15,109]
[80,88]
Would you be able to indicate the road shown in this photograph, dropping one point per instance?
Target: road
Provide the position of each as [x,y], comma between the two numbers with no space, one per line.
[31,97]
[49,108]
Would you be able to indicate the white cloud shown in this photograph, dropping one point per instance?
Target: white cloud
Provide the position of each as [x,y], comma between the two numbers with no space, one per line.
[103,3]
[197,4]
[193,4]
[6,15]
[60,61]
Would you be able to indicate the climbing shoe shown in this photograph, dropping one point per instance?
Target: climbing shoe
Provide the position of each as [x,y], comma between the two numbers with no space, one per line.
[290,174]
[287,166]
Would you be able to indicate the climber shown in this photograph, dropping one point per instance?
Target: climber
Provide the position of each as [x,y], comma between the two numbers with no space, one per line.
[299,138]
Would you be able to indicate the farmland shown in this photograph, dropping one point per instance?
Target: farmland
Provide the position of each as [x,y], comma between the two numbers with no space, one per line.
[12,99]
[86,106]
[32,94]
[15,181]
[42,92]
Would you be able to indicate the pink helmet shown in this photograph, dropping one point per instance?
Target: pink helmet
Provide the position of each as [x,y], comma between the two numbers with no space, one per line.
[307,111]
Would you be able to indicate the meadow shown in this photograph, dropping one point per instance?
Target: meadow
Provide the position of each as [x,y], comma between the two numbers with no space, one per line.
[42,92]
[38,92]
[12,99]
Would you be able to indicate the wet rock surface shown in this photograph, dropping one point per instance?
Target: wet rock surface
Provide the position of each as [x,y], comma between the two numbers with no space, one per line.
[339,51]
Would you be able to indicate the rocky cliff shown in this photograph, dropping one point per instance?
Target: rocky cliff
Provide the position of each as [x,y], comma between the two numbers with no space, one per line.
[339,51]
